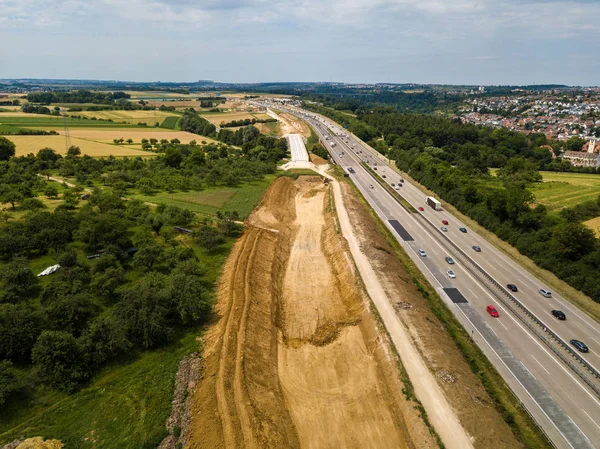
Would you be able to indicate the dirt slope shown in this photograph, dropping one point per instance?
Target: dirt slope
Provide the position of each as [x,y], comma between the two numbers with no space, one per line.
[296,358]
[462,389]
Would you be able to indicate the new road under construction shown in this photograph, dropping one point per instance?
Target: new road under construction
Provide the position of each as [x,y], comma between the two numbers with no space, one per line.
[299,357]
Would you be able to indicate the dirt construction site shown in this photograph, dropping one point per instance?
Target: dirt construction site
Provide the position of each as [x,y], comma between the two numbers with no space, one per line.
[298,357]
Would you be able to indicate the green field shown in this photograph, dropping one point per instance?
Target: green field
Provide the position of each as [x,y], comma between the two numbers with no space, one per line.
[57,122]
[242,199]
[560,190]
[170,122]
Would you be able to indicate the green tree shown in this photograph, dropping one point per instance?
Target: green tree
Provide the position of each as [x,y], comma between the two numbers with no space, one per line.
[71,313]
[148,255]
[18,279]
[106,282]
[105,339]
[32,204]
[51,191]
[573,240]
[7,149]
[5,216]
[20,327]
[13,197]
[144,308]
[70,199]
[190,299]
[9,381]
[61,360]
[209,238]
[73,152]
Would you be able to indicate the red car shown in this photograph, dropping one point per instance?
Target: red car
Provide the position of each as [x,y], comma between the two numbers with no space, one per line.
[492,311]
[445,222]
[421,209]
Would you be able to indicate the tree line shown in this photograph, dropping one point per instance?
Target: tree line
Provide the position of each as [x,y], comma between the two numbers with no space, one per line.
[79,96]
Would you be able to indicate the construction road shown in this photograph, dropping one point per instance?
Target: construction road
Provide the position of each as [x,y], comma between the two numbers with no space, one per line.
[542,372]
[297,148]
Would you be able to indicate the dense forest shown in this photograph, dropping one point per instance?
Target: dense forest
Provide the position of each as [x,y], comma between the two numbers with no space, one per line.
[129,279]
[78,96]
[453,159]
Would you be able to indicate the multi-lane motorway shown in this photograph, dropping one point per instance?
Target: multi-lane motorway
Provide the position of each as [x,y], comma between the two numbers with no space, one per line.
[542,374]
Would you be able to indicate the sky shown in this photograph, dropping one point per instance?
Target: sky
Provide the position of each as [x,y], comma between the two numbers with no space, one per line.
[485,42]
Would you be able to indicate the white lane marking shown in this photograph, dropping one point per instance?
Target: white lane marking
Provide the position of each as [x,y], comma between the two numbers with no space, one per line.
[543,367]
[519,382]
[502,324]
[535,340]
[591,419]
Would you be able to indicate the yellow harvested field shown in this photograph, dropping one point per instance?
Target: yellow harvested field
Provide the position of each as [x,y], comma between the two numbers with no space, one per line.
[226,117]
[26,114]
[594,225]
[136,134]
[148,117]
[159,94]
[32,144]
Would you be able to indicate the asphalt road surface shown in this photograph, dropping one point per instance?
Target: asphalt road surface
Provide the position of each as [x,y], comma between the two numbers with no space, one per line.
[565,407]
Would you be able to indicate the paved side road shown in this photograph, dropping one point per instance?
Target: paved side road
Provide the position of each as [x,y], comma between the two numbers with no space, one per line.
[428,391]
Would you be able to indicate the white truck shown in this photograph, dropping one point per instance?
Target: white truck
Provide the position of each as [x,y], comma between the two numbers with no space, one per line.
[435,204]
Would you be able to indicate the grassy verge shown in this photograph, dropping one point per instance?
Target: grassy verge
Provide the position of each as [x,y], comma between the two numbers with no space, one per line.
[507,404]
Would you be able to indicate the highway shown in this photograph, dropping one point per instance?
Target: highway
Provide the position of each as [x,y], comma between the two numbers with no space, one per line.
[565,407]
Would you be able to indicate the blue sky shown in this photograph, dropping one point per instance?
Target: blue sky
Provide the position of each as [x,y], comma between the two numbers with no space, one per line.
[420,41]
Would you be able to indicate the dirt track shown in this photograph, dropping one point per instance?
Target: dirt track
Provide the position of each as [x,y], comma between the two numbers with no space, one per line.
[296,358]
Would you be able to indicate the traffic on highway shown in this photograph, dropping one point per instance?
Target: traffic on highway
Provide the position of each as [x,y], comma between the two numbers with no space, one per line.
[547,350]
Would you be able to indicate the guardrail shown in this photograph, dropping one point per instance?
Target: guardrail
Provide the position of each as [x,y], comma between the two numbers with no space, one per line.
[541,331]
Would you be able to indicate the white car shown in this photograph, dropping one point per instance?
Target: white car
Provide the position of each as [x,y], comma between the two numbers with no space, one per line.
[370,186]
[422,253]
[451,274]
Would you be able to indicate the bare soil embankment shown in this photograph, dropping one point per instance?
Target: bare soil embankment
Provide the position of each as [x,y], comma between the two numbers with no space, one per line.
[463,390]
[296,358]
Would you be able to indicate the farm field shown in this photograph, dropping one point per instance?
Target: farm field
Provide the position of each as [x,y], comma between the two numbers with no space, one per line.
[107,135]
[241,199]
[23,120]
[133,117]
[32,144]
[225,117]
[560,190]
